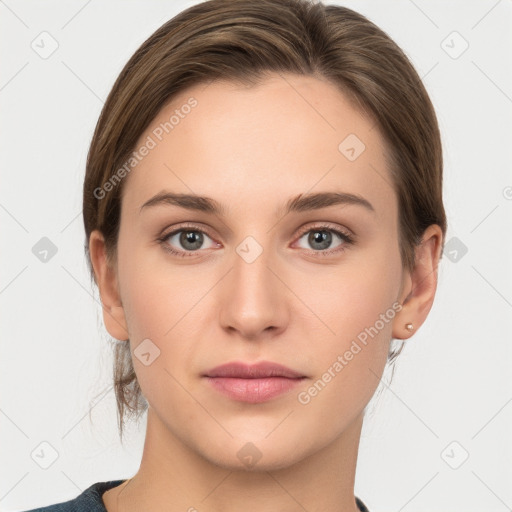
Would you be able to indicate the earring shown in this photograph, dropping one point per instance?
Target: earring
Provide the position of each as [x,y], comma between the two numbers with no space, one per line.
[409,327]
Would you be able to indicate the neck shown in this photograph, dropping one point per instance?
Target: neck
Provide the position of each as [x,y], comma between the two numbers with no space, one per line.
[176,478]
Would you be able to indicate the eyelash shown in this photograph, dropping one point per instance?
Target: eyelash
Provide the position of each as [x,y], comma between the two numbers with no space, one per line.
[347,239]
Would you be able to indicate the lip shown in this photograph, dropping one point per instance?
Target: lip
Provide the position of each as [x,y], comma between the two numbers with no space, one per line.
[253,383]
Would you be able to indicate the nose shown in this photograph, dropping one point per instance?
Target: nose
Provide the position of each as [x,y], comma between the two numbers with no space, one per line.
[253,298]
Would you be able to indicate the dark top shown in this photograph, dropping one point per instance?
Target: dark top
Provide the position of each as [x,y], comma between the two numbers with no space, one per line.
[90,500]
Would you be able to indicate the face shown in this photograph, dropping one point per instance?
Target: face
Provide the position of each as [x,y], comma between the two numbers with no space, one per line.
[313,288]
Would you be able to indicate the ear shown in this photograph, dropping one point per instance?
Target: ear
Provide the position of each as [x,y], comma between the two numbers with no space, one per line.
[106,277]
[419,286]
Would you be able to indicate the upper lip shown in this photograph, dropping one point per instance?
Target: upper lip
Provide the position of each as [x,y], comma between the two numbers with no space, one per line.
[253,371]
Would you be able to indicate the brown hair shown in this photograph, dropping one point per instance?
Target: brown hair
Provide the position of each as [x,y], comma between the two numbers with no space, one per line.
[241,40]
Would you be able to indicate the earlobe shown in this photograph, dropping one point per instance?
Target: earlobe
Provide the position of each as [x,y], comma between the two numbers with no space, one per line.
[420,285]
[106,278]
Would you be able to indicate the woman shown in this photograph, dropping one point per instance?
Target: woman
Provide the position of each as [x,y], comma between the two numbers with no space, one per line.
[263,215]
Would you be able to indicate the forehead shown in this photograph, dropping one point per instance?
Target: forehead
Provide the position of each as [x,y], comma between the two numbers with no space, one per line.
[287,135]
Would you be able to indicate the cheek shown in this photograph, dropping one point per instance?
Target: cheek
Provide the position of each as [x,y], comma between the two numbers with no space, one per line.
[352,309]
[350,362]
[153,297]
[163,304]
[352,297]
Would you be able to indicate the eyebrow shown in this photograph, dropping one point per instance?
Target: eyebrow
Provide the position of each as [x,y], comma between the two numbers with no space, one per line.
[300,203]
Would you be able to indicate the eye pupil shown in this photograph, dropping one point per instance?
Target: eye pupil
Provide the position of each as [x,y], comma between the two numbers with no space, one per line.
[193,237]
[321,237]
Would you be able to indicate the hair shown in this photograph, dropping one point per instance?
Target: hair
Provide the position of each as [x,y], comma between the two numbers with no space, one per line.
[243,41]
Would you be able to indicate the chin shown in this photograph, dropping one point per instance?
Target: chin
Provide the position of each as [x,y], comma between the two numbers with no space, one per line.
[256,454]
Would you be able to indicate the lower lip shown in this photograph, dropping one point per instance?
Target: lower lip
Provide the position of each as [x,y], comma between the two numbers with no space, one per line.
[253,390]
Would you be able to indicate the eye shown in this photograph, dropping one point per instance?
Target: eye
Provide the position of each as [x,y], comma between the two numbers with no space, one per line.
[187,239]
[321,238]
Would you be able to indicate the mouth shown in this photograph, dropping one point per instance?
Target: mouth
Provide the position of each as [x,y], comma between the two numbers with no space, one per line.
[254,383]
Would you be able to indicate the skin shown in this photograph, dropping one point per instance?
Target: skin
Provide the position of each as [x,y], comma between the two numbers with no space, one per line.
[251,149]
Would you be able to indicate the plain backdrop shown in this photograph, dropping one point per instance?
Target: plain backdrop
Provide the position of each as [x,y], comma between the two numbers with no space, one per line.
[437,439]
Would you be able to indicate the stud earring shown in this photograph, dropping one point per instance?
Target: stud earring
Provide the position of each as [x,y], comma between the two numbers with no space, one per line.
[409,327]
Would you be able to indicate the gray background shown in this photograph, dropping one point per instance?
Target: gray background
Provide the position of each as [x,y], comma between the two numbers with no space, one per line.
[451,393]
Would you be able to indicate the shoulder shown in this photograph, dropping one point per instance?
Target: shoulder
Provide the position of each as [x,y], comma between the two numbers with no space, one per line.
[361,506]
[88,501]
